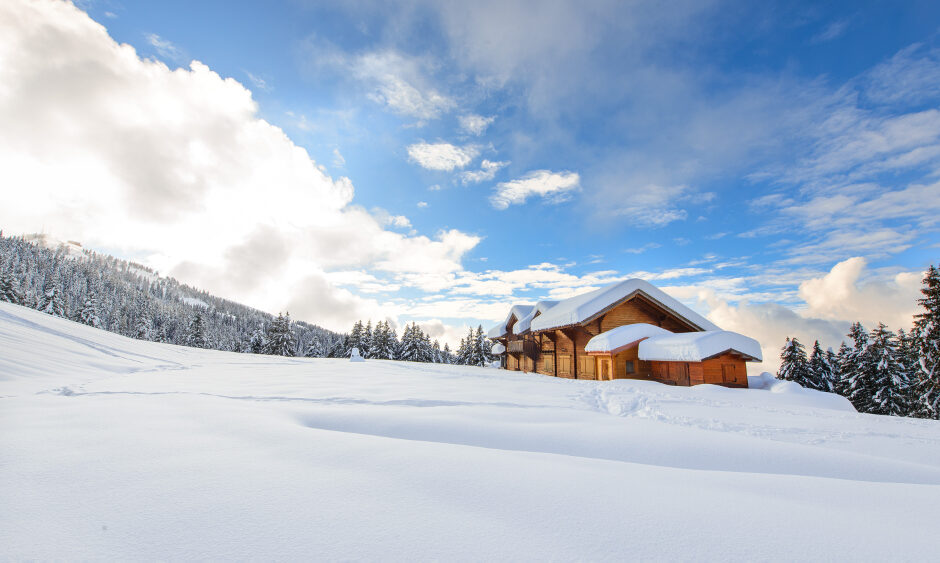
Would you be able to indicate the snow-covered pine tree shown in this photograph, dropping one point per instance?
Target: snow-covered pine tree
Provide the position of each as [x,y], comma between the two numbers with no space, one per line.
[143,326]
[793,364]
[256,343]
[888,378]
[858,369]
[355,338]
[927,339]
[365,348]
[483,347]
[280,337]
[89,312]
[907,357]
[462,357]
[51,301]
[446,356]
[840,370]
[425,352]
[410,344]
[8,289]
[316,348]
[820,371]
[436,355]
[196,335]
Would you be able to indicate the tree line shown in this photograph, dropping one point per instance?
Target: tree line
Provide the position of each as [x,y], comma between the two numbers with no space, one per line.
[880,372]
[132,300]
[381,342]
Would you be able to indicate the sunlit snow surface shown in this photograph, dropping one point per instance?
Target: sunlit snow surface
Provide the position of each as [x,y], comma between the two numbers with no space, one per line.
[116,449]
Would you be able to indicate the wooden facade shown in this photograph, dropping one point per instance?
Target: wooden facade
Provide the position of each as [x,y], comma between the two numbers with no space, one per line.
[561,352]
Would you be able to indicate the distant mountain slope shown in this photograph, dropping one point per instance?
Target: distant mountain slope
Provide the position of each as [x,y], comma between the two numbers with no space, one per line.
[68,281]
[121,449]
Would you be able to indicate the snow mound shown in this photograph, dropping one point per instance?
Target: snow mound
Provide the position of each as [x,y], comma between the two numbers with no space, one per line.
[355,356]
[767,382]
[697,346]
[578,309]
[621,336]
[498,348]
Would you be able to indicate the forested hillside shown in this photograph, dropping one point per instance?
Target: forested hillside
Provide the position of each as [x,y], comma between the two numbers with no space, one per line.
[65,280]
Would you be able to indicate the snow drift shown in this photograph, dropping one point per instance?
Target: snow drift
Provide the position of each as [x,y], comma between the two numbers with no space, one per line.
[127,450]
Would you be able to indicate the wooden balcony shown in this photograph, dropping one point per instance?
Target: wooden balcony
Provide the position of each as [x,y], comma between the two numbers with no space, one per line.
[528,347]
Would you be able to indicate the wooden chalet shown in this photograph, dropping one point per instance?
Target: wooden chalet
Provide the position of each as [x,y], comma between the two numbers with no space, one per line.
[629,330]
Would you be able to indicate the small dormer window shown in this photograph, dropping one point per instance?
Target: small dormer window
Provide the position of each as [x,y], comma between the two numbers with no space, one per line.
[628,366]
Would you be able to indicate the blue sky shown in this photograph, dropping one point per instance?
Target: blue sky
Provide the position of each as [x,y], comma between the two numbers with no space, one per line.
[747,156]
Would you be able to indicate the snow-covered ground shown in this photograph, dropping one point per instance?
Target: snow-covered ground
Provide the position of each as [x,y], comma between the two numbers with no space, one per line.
[117,449]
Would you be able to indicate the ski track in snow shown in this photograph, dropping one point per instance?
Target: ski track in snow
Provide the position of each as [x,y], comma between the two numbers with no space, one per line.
[120,449]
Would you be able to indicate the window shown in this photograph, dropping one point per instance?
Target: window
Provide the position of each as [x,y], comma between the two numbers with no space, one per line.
[628,367]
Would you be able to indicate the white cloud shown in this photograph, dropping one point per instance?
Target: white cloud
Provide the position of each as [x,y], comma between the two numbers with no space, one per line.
[338,160]
[487,171]
[827,306]
[442,156]
[555,186]
[475,124]
[422,204]
[397,81]
[164,48]
[651,205]
[176,166]
[258,82]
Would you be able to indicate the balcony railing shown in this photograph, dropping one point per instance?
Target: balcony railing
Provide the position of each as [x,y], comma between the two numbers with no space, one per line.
[528,347]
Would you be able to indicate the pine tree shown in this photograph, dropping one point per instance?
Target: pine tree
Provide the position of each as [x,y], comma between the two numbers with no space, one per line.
[887,377]
[89,312]
[446,356]
[858,368]
[927,339]
[256,343]
[840,369]
[365,344]
[143,327]
[279,340]
[316,348]
[794,366]
[355,339]
[411,344]
[196,336]
[820,371]
[436,356]
[8,290]
[907,357]
[51,302]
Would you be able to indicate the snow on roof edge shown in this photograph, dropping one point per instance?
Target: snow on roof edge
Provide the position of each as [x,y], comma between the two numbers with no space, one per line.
[579,308]
[622,335]
[520,310]
[697,346]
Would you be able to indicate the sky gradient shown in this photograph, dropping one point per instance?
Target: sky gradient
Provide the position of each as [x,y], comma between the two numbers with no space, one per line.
[773,165]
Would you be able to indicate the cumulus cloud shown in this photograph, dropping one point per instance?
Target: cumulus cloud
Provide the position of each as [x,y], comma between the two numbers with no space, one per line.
[553,186]
[826,306]
[487,171]
[176,167]
[475,124]
[399,82]
[441,156]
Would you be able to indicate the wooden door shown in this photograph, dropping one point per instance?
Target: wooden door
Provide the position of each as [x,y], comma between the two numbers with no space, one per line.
[679,372]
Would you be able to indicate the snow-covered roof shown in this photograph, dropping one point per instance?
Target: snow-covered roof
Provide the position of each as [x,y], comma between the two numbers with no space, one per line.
[498,348]
[580,308]
[519,311]
[697,346]
[622,336]
[523,324]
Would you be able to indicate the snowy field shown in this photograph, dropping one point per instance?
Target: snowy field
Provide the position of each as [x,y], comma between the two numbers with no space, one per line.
[117,449]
